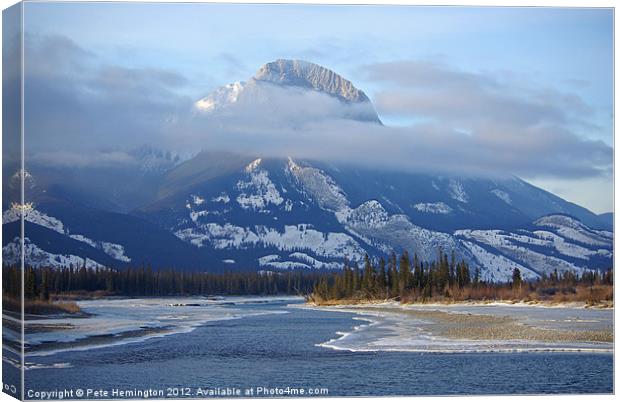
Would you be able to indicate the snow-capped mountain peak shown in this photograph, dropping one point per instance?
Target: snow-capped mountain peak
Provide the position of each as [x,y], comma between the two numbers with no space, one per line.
[280,83]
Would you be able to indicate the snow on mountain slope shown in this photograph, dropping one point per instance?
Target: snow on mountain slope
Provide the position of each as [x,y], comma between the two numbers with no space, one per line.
[218,236]
[510,245]
[570,247]
[295,260]
[315,216]
[214,220]
[301,237]
[261,190]
[433,207]
[284,265]
[565,247]
[395,232]
[457,191]
[115,251]
[313,262]
[36,257]
[32,215]
[320,188]
[496,267]
[221,97]
[15,212]
[502,195]
[575,230]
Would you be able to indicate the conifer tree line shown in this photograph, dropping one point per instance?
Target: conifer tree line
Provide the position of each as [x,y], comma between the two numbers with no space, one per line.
[397,277]
[410,279]
[400,277]
[41,283]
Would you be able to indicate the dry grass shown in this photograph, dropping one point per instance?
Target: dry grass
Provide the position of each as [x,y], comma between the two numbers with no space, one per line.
[40,307]
[82,295]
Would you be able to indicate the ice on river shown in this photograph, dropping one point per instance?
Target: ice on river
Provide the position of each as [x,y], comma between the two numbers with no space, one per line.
[120,321]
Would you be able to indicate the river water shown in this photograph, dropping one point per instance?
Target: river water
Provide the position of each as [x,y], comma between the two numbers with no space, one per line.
[196,347]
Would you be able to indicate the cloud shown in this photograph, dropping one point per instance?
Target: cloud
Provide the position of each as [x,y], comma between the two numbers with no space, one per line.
[435,91]
[471,123]
[526,129]
[90,159]
[75,101]
[423,148]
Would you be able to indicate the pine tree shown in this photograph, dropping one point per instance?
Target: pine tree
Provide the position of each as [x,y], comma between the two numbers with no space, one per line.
[417,272]
[356,278]
[453,267]
[393,273]
[516,278]
[381,280]
[368,279]
[444,276]
[30,284]
[45,291]
[404,271]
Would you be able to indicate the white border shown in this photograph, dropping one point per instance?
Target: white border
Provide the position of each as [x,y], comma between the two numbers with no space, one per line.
[483,3]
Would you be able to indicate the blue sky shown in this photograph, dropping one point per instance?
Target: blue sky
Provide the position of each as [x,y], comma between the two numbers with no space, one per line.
[561,59]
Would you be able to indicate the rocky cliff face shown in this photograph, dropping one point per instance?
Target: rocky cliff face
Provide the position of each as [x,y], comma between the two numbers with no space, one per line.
[312,76]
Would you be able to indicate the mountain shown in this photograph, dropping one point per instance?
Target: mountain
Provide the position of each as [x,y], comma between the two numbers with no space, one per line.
[220,211]
[282,213]
[290,86]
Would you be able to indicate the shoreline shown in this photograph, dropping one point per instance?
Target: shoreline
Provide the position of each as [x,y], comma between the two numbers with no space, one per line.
[425,327]
[609,305]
